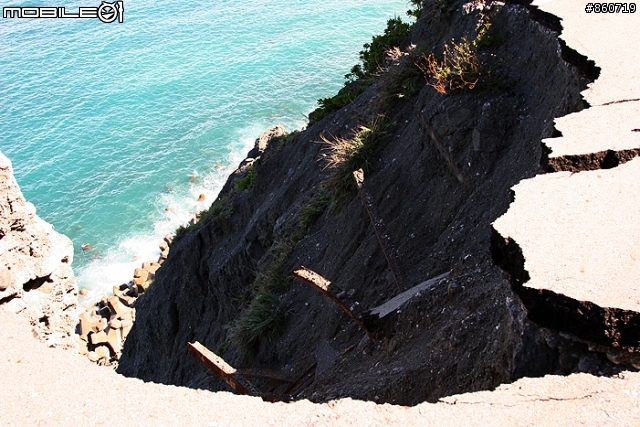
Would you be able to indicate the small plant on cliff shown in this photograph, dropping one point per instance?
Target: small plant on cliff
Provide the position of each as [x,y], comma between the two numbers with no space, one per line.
[404,81]
[248,181]
[445,8]
[458,68]
[222,209]
[488,37]
[264,319]
[312,210]
[328,105]
[345,155]
[417,11]
[265,315]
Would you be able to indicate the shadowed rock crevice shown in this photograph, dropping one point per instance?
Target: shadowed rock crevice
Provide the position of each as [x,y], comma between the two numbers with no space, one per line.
[36,283]
[611,327]
[607,159]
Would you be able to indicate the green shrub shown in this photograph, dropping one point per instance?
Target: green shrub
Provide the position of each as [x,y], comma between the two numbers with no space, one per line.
[328,105]
[248,181]
[372,61]
[310,212]
[403,82]
[265,315]
[446,8]
[417,11]
[372,56]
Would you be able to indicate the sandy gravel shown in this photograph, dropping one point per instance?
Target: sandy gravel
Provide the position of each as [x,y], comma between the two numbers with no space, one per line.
[50,387]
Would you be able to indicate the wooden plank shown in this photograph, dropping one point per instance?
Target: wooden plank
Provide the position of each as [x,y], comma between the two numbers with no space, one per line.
[318,282]
[444,153]
[222,369]
[387,246]
[397,301]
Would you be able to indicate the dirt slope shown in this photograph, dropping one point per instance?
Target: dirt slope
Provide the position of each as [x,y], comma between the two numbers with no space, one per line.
[438,177]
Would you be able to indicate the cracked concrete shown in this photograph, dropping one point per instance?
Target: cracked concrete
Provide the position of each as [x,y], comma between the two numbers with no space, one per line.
[579,232]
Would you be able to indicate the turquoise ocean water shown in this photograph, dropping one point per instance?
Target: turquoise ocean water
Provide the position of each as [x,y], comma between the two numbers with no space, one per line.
[107,125]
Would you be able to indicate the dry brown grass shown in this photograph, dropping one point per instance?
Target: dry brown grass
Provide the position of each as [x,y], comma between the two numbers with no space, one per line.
[458,69]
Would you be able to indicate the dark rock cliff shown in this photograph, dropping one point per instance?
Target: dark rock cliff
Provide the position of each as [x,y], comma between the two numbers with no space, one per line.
[438,176]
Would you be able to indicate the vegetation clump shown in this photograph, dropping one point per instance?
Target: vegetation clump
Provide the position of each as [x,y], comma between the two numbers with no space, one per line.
[488,37]
[264,319]
[445,8]
[372,61]
[248,181]
[372,57]
[265,315]
[345,155]
[457,68]
[222,209]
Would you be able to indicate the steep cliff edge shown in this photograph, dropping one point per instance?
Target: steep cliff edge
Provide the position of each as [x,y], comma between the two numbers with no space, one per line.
[35,266]
[438,172]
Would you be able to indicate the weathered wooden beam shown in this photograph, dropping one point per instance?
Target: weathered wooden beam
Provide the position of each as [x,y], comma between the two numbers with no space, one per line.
[318,282]
[222,369]
[387,246]
[396,302]
[444,153]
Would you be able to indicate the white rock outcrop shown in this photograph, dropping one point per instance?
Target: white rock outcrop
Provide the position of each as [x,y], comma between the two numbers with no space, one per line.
[35,266]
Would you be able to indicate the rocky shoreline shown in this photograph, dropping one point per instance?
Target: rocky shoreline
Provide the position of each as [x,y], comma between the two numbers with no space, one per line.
[103,327]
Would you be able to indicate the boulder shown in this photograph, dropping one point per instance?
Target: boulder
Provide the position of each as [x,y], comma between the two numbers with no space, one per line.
[114,339]
[102,352]
[141,273]
[98,337]
[115,323]
[118,308]
[153,267]
[88,323]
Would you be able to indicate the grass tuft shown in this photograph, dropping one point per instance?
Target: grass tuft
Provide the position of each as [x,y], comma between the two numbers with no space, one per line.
[265,315]
[345,155]
[373,59]
[264,319]
[328,105]
[488,37]
[445,8]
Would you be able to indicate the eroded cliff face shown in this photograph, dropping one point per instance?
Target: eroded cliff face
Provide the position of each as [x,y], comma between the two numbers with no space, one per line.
[35,266]
[439,174]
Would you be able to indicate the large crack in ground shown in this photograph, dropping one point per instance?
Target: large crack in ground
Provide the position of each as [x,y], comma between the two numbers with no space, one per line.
[569,241]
